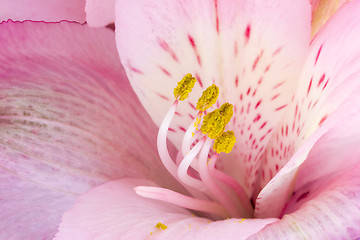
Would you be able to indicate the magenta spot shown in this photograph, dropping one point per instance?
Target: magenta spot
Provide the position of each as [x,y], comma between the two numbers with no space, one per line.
[267,68]
[277,51]
[326,84]
[217,16]
[322,120]
[192,42]
[260,80]
[182,128]
[192,106]
[321,80]
[165,46]
[236,81]
[263,125]
[171,130]
[318,54]
[247,33]
[276,96]
[241,97]
[278,85]
[309,87]
[257,60]
[281,107]
[258,104]
[277,167]
[257,118]
[248,91]
[177,113]
[165,71]
[199,80]
[254,93]
[162,96]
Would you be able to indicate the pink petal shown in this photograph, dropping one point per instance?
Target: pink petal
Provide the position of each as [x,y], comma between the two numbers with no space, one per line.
[114,211]
[252,49]
[330,75]
[330,211]
[43,10]
[69,121]
[100,13]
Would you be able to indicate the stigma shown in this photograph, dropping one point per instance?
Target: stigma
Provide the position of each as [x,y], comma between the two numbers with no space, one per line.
[210,190]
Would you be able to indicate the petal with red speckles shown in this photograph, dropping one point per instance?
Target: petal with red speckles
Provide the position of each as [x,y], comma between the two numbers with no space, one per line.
[253,50]
[328,90]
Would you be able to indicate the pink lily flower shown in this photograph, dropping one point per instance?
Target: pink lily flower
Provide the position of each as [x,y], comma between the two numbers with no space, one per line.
[70,121]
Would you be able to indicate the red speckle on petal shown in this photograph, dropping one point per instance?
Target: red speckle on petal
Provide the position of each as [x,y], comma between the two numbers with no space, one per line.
[322,120]
[263,125]
[274,97]
[248,91]
[164,70]
[217,16]
[326,84]
[318,54]
[257,60]
[235,49]
[321,80]
[281,107]
[192,106]
[309,87]
[247,33]
[257,118]
[199,80]
[278,85]
[171,130]
[165,46]
[182,128]
[258,104]
[236,81]
[163,97]
[277,51]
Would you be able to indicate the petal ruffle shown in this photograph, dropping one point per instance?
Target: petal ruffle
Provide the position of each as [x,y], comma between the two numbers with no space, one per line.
[330,211]
[113,211]
[242,46]
[100,13]
[43,10]
[69,121]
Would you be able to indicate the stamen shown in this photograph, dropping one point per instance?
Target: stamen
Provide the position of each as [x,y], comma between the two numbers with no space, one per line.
[218,193]
[184,87]
[247,210]
[226,110]
[213,124]
[185,164]
[162,143]
[190,136]
[208,98]
[178,199]
[225,142]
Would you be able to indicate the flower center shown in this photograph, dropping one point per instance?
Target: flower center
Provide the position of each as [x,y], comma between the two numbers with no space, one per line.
[212,191]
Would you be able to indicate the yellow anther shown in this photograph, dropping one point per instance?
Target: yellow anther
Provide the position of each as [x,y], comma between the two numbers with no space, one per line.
[208,98]
[197,123]
[161,226]
[213,124]
[184,87]
[227,111]
[225,142]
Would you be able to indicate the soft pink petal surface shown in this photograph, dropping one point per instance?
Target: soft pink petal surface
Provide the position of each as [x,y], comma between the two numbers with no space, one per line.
[328,90]
[330,211]
[113,211]
[253,50]
[100,13]
[43,10]
[69,121]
